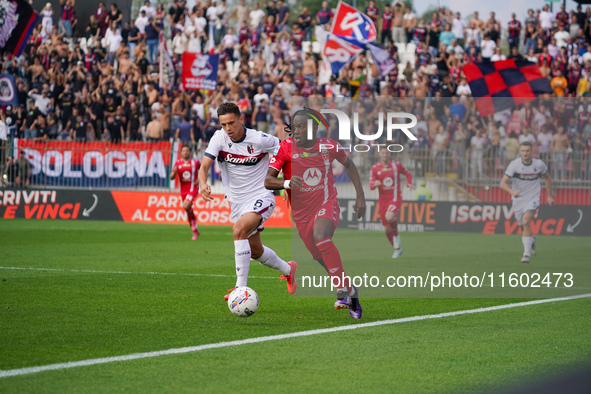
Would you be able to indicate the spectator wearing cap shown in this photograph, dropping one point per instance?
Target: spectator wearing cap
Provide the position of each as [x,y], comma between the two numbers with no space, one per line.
[42,101]
[142,21]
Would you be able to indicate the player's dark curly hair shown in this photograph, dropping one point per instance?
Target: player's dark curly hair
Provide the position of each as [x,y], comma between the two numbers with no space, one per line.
[308,112]
[228,108]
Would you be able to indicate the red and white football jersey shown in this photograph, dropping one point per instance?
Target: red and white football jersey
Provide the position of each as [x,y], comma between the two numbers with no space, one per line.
[187,174]
[314,166]
[389,176]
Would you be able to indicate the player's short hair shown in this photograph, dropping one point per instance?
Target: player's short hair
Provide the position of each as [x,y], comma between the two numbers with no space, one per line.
[185,146]
[527,143]
[228,108]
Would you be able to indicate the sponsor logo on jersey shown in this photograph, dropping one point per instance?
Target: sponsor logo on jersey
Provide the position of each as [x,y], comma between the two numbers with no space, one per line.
[234,158]
[309,154]
[186,175]
[388,182]
[312,176]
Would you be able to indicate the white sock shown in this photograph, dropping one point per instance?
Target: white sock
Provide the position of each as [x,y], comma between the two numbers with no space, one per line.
[527,244]
[271,260]
[396,240]
[242,258]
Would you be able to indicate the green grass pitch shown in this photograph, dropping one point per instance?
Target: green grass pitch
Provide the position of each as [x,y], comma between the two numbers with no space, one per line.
[87,290]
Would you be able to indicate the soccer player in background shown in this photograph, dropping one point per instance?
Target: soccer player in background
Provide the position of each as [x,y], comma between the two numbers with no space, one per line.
[244,157]
[525,173]
[187,170]
[310,185]
[385,175]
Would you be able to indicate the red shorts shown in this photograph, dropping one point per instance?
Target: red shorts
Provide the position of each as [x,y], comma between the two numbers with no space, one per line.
[330,211]
[191,196]
[391,207]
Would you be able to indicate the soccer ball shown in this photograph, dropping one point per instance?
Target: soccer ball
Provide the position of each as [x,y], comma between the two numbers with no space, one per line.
[243,301]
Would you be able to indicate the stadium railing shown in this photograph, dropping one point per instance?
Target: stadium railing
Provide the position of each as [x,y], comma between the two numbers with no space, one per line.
[475,176]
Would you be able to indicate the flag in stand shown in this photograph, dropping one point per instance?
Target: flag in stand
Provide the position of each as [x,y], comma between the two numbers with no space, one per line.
[8,92]
[166,79]
[382,59]
[17,19]
[353,25]
[505,84]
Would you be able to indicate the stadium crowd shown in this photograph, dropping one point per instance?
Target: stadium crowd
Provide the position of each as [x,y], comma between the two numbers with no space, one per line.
[98,80]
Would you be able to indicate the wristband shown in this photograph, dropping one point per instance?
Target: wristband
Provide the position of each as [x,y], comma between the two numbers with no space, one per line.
[286,185]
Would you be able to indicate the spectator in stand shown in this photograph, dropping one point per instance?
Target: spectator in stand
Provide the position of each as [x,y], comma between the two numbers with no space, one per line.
[398,23]
[409,24]
[514,29]
[324,15]
[68,20]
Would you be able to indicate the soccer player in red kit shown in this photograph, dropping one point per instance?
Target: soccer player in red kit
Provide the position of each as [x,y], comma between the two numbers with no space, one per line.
[310,185]
[187,169]
[385,175]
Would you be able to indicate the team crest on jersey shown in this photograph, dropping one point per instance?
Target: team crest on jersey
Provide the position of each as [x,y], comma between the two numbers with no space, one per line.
[312,176]
[250,149]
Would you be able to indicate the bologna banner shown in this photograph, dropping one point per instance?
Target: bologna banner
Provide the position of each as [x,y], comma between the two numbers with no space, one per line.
[97,164]
[127,206]
[200,71]
[482,218]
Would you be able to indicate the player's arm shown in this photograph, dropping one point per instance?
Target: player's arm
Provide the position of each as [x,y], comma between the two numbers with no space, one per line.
[548,182]
[202,177]
[373,182]
[352,172]
[173,172]
[505,186]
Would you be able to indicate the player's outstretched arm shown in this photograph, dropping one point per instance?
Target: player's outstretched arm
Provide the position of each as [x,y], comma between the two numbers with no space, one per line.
[548,181]
[203,171]
[353,173]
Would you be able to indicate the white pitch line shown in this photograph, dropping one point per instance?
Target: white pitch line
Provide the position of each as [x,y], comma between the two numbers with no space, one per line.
[190,349]
[125,272]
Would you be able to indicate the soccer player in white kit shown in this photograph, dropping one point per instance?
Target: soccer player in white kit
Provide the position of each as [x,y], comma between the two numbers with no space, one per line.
[243,155]
[525,173]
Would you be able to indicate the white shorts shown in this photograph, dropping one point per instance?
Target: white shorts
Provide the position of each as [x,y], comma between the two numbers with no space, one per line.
[521,209]
[263,205]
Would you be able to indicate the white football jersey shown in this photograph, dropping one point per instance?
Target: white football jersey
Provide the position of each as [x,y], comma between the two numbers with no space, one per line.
[243,163]
[526,179]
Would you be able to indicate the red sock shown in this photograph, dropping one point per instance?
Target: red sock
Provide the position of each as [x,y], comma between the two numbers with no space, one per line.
[332,259]
[192,219]
[390,235]
[394,227]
